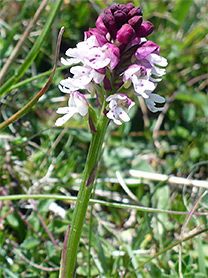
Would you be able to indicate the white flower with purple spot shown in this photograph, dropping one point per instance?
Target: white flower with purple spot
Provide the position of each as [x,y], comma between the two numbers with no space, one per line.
[82,79]
[80,52]
[147,55]
[139,76]
[152,101]
[77,104]
[119,106]
[157,62]
[89,53]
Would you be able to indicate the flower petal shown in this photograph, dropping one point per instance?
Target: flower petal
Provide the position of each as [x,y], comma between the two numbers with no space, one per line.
[63,120]
[66,110]
[157,98]
[69,62]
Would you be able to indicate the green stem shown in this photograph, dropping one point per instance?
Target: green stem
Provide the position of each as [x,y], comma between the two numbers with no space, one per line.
[95,201]
[83,197]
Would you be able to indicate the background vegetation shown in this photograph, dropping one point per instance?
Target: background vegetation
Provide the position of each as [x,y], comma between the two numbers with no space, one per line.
[38,158]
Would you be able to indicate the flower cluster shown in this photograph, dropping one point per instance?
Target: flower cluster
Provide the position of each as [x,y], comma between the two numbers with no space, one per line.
[113,56]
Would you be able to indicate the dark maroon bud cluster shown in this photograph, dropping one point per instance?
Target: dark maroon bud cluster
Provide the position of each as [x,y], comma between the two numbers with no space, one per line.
[124,19]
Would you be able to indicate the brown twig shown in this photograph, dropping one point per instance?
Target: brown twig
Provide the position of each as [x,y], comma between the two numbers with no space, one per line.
[35,265]
[182,232]
[43,223]
[197,79]
[144,112]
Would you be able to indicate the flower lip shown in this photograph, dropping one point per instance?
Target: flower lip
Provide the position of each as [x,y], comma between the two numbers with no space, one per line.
[119,107]
[152,100]
[141,71]
[77,104]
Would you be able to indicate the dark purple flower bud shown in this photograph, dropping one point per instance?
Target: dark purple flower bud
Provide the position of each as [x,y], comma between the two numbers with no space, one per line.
[125,34]
[145,29]
[114,8]
[135,22]
[130,6]
[134,12]
[145,49]
[107,10]
[110,24]
[120,18]
[100,25]
[123,8]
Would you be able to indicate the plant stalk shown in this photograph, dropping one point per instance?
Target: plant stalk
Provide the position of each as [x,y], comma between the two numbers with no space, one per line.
[68,266]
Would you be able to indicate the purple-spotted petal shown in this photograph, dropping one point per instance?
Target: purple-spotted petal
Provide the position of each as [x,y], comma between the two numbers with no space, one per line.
[119,105]
[62,120]
[76,104]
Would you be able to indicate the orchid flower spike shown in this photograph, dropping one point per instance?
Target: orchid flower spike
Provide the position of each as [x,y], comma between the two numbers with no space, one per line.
[114,55]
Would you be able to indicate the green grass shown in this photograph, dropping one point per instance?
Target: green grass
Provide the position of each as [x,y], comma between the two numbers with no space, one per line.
[126,234]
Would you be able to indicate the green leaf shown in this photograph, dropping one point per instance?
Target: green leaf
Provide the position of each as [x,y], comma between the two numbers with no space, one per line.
[12,220]
[197,99]
[196,35]
[10,273]
[51,250]
[30,243]
[43,205]
[201,258]
[200,275]
[101,256]
[189,112]
[181,131]
[182,9]
[133,261]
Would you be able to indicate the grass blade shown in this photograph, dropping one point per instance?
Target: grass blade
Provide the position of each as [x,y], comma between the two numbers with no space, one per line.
[34,51]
